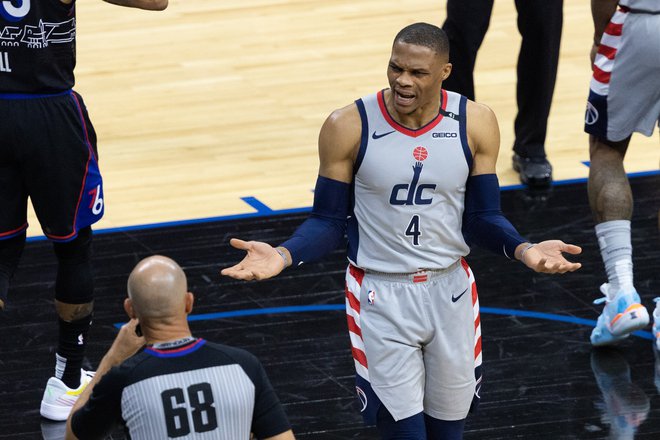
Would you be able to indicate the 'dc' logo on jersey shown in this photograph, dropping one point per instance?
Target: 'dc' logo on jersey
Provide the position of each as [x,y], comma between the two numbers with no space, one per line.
[591,115]
[413,193]
[10,12]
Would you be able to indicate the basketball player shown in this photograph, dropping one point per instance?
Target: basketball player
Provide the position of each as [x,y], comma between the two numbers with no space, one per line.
[624,97]
[48,152]
[409,172]
[179,386]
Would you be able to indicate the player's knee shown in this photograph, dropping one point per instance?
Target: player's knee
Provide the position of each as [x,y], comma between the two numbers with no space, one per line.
[73,312]
[603,150]
[74,284]
[78,249]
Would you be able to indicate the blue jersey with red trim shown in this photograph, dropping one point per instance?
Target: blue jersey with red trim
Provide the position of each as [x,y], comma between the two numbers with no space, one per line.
[409,189]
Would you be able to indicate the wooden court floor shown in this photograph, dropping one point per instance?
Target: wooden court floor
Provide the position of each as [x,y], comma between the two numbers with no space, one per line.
[543,380]
[209,102]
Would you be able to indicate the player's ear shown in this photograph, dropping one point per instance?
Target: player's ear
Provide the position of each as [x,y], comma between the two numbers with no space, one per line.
[128,308]
[190,299]
[446,71]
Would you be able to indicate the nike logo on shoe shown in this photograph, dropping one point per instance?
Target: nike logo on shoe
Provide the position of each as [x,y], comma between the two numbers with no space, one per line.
[375,135]
[456,298]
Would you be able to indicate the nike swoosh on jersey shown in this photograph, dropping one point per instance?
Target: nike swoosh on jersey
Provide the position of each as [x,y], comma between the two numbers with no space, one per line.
[375,135]
[456,298]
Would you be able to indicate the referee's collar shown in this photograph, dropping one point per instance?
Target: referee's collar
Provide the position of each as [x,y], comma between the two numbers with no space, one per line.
[180,347]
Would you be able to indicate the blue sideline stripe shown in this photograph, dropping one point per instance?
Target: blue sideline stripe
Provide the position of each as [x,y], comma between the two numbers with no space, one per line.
[263,210]
[259,206]
[335,307]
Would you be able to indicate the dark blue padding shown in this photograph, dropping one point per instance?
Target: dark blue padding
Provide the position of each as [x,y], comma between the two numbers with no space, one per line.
[443,429]
[368,402]
[410,428]
[484,225]
[364,137]
[595,118]
[325,228]
[462,124]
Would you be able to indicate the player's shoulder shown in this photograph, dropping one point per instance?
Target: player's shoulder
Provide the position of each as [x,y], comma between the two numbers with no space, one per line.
[340,133]
[480,111]
[345,117]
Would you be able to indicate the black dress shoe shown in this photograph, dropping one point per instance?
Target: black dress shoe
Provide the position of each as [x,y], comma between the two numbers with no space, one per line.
[535,172]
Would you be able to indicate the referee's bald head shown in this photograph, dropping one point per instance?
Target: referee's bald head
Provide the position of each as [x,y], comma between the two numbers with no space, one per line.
[157,287]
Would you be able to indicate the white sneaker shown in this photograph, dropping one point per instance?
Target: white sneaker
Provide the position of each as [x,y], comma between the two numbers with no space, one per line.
[59,399]
[621,316]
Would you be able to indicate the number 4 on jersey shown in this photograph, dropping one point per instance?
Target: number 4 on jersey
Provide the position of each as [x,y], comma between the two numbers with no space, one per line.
[413,230]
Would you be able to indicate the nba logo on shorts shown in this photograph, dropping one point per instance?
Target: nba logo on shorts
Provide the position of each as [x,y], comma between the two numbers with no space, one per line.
[371,297]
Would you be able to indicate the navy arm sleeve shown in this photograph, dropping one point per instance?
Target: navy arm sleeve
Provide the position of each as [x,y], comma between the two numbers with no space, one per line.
[102,412]
[324,230]
[484,225]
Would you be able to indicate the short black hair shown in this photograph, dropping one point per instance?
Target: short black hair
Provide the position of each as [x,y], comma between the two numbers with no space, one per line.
[424,34]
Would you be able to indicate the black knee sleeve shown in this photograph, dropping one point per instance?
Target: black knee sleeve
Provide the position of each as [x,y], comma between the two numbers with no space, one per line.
[10,253]
[74,284]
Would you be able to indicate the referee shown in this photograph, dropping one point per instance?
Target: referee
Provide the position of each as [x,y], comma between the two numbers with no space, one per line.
[179,386]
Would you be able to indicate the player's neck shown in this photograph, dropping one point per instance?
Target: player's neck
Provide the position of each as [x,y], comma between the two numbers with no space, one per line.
[159,333]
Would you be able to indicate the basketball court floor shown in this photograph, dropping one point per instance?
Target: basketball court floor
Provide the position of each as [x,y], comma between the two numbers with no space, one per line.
[207,116]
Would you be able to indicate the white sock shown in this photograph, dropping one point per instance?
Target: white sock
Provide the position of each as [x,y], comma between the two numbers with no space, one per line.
[60,365]
[616,250]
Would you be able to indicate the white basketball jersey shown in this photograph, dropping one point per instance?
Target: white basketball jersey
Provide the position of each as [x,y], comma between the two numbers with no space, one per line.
[642,5]
[409,189]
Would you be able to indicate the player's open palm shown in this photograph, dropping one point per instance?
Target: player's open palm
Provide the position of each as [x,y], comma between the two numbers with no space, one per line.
[262,261]
[547,257]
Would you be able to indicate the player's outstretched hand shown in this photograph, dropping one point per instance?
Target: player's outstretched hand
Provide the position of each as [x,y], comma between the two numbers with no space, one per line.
[262,261]
[547,257]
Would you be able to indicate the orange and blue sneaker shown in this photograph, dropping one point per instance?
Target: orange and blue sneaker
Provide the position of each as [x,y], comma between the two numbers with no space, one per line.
[59,399]
[621,316]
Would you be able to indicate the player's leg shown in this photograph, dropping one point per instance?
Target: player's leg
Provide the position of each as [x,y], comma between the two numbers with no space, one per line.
[386,331]
[65,186]
[452,357]
[611,202]
[410,428]
[74,292]
[443,429]
[13,197]
[13,223]
[10,253]
[540,25]
[466,25]
[624,97]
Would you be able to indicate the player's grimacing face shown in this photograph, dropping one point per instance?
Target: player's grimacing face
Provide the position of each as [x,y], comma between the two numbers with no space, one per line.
[415,74]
